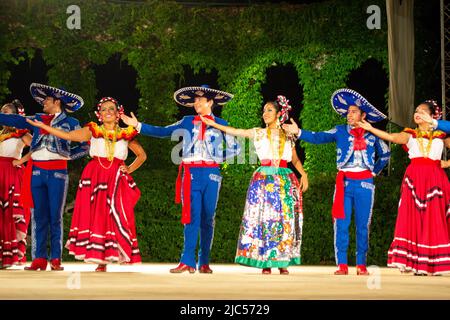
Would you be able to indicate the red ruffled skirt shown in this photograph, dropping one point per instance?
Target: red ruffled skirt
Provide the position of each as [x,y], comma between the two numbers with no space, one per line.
[103,229]
[422,233]
[14,218]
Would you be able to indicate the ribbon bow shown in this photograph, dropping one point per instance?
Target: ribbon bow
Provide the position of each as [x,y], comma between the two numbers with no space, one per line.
[46,119]
[359,143]
[197,119]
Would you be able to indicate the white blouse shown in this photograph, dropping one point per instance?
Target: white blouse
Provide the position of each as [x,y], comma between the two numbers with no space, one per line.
[98,148]
[263,147]
[437,146]
[12,148]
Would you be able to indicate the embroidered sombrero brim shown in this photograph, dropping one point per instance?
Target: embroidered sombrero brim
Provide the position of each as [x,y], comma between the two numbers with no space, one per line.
[71,102]
[342,99]
[186,96]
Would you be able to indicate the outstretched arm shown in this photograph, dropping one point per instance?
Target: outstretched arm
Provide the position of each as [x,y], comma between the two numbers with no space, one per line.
[298,165]
[292,128]
[141,156]
[399,138]
[247,133]
[15,121]
[310,136]
[79,135]
[150,130]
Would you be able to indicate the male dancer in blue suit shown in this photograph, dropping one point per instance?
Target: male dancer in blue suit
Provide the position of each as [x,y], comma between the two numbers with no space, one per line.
[356,165]
[46,177]
[199,184]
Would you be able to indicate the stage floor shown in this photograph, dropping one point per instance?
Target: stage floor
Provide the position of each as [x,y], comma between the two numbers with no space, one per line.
[153,281]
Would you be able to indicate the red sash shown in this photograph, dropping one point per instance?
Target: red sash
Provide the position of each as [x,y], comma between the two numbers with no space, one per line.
[428,161]
[272,163]
[26,198]
[338,205]
[186,204]
[7,159]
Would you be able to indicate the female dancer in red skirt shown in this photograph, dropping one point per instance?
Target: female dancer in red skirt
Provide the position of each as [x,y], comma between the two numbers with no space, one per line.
[103,228]
[421,240]
[14,218]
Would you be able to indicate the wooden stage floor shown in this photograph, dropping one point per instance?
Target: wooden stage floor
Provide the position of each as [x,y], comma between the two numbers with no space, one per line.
[150,281]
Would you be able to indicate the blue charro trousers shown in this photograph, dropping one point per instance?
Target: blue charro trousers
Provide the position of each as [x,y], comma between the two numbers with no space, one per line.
[49,188]
[205,187]
[358,195]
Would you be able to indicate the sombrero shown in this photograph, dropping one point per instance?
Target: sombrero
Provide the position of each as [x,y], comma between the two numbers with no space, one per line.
[342,99]
[71,102]
[186,96]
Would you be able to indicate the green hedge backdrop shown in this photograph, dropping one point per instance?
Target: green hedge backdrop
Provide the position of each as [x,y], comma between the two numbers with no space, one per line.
[323,41]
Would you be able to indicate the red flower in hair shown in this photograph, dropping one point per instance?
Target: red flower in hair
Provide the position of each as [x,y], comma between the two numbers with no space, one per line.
[285,108]
[437,109]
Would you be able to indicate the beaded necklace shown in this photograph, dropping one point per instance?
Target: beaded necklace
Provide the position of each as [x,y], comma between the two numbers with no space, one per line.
[420,139]
[6,133]
[110,144]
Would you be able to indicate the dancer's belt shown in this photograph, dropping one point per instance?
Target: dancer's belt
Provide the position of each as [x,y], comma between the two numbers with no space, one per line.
[186,179]
[338,205]
[428,161]
[7,159]
[273,163]
[26,198]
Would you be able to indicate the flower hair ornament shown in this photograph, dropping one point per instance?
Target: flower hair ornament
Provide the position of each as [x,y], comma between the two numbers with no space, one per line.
[19,107]
[437,109]
[285,108]
[120,108]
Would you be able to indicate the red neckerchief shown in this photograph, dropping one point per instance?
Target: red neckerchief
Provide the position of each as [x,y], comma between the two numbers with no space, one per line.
[359,142]
[46,119]
[201,135]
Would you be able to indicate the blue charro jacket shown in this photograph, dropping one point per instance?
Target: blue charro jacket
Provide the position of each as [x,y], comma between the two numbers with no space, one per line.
[48,141]
[185,128]
[344,146]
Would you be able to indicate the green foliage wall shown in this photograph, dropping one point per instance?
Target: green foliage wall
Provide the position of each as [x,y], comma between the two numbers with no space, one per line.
[323,41]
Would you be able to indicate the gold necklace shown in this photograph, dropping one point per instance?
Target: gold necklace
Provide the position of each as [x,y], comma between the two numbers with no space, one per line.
[420,137]
[110,144]
[282,138]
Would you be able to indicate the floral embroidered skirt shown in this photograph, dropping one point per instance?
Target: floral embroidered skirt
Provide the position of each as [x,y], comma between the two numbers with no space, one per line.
[271,231]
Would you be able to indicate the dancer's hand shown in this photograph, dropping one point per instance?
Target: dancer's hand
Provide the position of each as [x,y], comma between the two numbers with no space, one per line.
[36,123]
[445,164]
[291,128]
[207,121]
[16,163]
[124,169]
[425,116]
[130,121]
[304,182]
[365,125]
